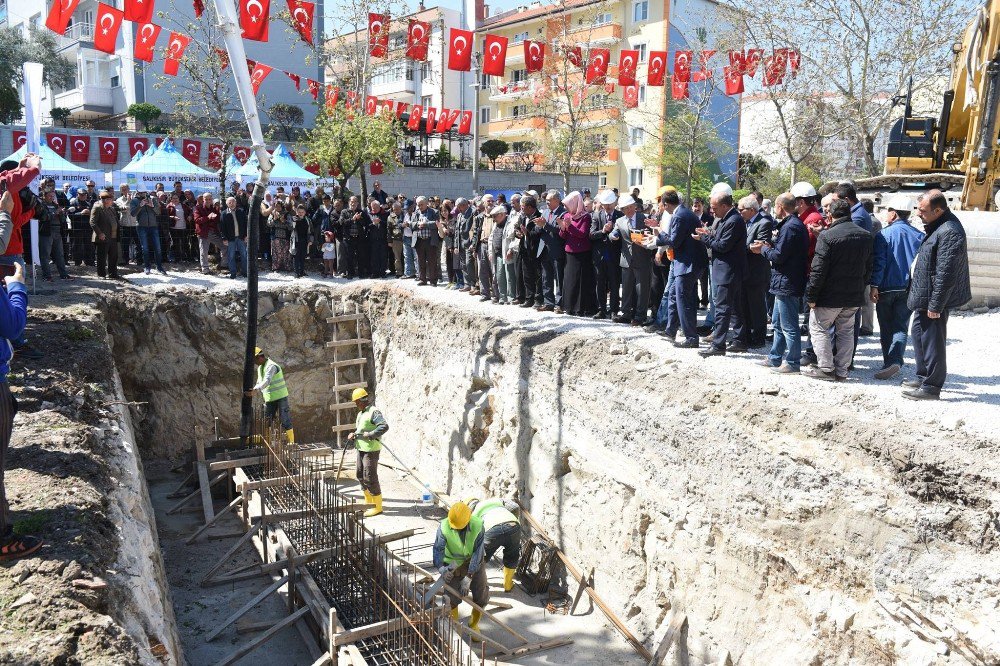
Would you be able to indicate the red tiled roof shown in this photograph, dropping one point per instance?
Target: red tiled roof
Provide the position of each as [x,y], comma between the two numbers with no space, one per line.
[514,16]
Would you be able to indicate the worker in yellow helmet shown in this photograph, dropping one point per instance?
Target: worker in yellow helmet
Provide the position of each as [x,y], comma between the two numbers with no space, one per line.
[458,552]
[367,438]
[503,530]
[272,387]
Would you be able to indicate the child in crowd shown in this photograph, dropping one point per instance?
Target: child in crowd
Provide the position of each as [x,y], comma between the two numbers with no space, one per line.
[329,254]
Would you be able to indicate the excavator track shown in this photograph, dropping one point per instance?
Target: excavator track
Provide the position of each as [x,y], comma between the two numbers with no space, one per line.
[925,181]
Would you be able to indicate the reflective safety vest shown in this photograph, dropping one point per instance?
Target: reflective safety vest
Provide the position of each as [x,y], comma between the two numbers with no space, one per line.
[492,512]
[276,389]
[456,550]
[364,424]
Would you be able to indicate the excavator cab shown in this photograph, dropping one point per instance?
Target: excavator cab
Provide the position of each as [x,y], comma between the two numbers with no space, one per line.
[911,146]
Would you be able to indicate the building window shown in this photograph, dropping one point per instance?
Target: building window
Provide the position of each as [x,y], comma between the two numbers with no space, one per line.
[425,71]
[637,136]
[640,10]
[393,72]
[484,115]
[485,81]
[598,101]
[519,111]
[115,82]
[641,48]
[602,180]
[597,142]
[601,19]
[397,41]
[635,177]
[642,94]
[520,37]
[519,75]
[522,146]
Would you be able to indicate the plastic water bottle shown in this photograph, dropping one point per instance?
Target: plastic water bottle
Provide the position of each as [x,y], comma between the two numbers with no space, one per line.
[427,498]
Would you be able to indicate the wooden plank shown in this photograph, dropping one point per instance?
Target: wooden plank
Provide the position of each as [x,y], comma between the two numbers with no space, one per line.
[263,638]
[179,490]
[349,387]
[344,317]
[345,343]
[238,462]
[674,628]
[232,505]
[344,427]
[205,582]
[589,582]
[346,363]
[378,628]
[206,490]
[194,493]
[531,648]
[252,626]
[246,608]
[343,405]
[242,485]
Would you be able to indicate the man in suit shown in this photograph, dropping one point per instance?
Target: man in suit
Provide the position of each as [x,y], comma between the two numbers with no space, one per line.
[530,239]
[233,228]
[728,244]
[606,254]
[551,253]
[636,262]
[689,260]
[460,244]
[750,326]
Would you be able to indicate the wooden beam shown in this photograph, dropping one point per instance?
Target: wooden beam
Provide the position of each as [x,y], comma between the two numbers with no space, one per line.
[379,628]
[349,387]
[343,317]
[238,462]
[531,648]
[674,627]
[194,493]
[263,638]
[232,505]
[246,608]
[331,344]
[206,490]
[346,363]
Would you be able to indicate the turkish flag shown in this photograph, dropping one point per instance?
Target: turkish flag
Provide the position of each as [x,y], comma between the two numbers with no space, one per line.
[734,80]
[371,105]
[387,105]
[145,40]
[678,88]
[302,14]
[223,59]
[257,76]
[135,144]
[175,51]
[57,142]
[737,62]
[254,18]
[139,11]
[534,55]
[215,155]
[312,167]
[401,108]
[332,95]
[752,61]
[378,35]
[494,55]
[628,60]
[442,120]
[447,119]
[575,55]
[159,141]
[431,120]
[352,99]
[465,125]
[241,153]
[781,63]
[682,67]
[109,149]
[630,94]
[192,150]
[418,38]
[414,122]
[60,14]
[376,168]
[774,69]
[20,138]
[79,148]
[313,88]
[597,66]
[794,60]
[656,70]
[460,50]
[296,79]
[106,27]
[199,8]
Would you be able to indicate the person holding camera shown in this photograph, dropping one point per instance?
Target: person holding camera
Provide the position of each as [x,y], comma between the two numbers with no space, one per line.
[128,231]
[146,211]
[50,238]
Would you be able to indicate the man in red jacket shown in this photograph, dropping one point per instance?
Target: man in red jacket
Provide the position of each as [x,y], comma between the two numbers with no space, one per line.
[15,176]
[206,226]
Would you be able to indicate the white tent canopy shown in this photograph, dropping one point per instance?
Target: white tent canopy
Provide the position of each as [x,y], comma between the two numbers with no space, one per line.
[58,168]
[166,165]
[285,171]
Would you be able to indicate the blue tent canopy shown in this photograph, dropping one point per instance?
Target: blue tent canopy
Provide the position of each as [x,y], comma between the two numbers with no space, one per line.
[56,167]
[165,165]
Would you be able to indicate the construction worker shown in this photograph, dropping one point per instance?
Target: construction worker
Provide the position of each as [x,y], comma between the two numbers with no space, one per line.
[458,552]
[272,387]
[367,438]
[503,530]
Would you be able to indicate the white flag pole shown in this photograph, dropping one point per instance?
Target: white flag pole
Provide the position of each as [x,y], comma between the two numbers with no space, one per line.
[31,88]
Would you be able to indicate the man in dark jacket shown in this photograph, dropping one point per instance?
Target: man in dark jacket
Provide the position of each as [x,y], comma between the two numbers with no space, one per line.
[352,233]
[606,254]
[728,244]
[841,268]
[552,253]
[233,228]
[940,281]
[636,262]
[104,224]
[531,268]
[789,257]
[751,320]
[145,209]
[689,259]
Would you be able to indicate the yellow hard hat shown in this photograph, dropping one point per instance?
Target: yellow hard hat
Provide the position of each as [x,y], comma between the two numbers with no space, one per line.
[358,394]
[459,515]
[257,351]
[666,188]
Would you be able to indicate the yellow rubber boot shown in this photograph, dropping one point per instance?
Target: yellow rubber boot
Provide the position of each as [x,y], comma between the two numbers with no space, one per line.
[474,623]
[454,613]
[377,499]
[290,433]
[508,579]
[368,497]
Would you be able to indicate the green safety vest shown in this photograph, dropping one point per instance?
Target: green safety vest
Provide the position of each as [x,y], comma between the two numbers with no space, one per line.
[457,551]
[277,389]
[364,424]
[492,512]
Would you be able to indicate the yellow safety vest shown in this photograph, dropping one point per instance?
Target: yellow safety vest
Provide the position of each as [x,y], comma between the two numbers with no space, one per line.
[276,388]
[364,424]
[493,513]
[457,550]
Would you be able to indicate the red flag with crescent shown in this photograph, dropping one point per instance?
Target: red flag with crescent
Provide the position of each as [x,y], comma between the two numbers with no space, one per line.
[534,55]
[192,150]
[414,122]
[682,67]
[494,55]
[378,35]
[296,79]
[628,61]
[597,66]
[575,55]
[215,155]
[241,153]
[255,16]
[106,27]
[460,50]
[302,15]
[753,59]
[139,11]
[418,39]
[630,95]
[145,40]
[734,80]
[431,120]
[57,142]
[79,148]
[257,76]
[175,51]
[401,108]
[678,88]
[60,15]
[135,144]
[108,149]
[465,124]
[313,88]
[737,62]
[656,70]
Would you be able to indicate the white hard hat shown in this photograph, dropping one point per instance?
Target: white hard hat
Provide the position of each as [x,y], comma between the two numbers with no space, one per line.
[497,210]
[899,202]
[802,190]
[626,200]
[606,197]
[722,189]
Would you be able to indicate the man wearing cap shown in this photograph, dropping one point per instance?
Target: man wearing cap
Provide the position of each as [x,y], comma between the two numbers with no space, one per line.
[104,224]
[425,229]
[606,254]
[274,391]
[896,246]
[636,262]
[806,210]
[369,427]
[458,551]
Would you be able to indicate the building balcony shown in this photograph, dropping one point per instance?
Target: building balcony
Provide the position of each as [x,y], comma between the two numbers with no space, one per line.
[600,35]
[510,90]
[514,127]
[397,87]
[75,34]
[86,100]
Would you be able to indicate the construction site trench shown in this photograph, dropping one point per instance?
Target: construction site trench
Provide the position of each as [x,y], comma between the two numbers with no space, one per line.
[784,532]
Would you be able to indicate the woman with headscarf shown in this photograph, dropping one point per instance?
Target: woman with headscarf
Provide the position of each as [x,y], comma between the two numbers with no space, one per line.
[578,279]
[281,234]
